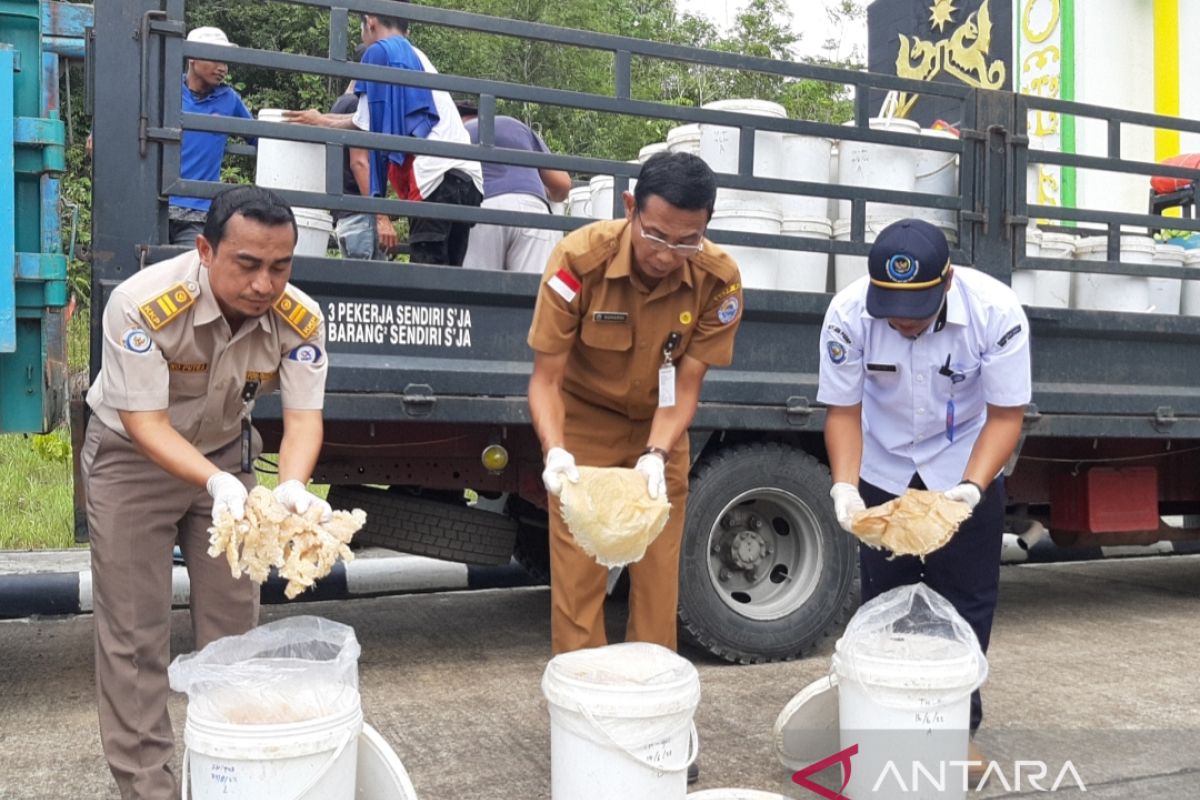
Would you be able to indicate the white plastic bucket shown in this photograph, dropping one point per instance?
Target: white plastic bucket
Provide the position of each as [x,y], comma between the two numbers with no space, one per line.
[311,760]
[734,794]
[1166,293]
[313,227]
[759,266]
[719,145]
[1104,292]
[649,150]
[847,268]
[937,174]
[1189,303]
[621,723]
[281,164]
[684,139]
[801,271]
[602,195]
[879,166]
[804,158]
[1051,289]
[579,201]
[906,700]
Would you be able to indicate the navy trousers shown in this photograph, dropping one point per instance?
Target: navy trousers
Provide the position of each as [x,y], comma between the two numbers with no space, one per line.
[966,571]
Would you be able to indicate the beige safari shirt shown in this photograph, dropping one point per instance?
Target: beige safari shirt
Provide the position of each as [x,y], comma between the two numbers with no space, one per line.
[592,304]
[167,346]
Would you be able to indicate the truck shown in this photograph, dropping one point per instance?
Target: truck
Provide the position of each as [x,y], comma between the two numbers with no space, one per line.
[426,400]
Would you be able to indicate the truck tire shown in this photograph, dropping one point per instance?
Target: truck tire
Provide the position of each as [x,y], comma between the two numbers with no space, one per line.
[399,521]
[766,573]
[532,550]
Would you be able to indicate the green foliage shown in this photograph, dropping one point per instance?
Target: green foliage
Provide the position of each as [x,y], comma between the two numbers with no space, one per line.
[51,447]
[36,495]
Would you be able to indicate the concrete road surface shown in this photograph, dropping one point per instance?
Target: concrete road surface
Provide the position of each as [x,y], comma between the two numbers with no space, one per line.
[1095,664]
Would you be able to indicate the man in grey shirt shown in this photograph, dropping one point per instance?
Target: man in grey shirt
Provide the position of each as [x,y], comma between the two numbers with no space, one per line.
[513,188]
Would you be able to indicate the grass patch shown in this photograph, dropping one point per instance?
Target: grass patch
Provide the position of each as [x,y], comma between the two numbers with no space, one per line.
[36,492]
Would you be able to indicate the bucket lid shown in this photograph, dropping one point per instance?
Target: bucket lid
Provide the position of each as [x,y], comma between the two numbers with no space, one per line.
[601,181]
[818,225]
[897,124]
[632,679]
[313,217]
[1099,244]
[1191,257]
[579,191]
[763,108]
[808,727]
[689,131]
[910,662]
[651,149]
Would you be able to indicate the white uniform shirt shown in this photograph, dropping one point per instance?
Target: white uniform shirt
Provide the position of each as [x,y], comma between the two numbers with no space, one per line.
[924,400]
[428,170]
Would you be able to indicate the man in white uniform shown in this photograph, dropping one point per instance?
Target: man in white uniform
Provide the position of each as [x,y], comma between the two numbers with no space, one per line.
[925,369]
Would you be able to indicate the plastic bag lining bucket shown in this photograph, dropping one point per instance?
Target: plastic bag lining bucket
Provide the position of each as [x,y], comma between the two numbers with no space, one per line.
[621,722]
[312,760]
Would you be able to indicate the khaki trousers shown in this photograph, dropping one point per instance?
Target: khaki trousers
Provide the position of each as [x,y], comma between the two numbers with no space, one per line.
[136,515]
[598,437]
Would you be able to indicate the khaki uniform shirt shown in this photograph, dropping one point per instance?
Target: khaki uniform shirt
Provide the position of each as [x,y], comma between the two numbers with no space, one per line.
[592,304]
[167,346]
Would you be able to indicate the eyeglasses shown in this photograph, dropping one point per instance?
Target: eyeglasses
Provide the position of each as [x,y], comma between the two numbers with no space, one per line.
[662,244]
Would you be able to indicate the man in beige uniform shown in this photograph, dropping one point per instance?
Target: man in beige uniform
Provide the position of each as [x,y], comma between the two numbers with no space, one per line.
[630,312]
[189,344]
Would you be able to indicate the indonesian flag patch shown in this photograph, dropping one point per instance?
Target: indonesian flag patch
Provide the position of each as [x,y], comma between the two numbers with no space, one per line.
[564,284]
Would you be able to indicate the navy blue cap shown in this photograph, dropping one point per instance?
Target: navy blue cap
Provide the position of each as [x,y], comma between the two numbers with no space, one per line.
[908,265]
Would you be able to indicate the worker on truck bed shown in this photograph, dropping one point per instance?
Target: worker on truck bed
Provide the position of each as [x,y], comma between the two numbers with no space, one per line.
[200,153]
[511,188]
[189,343]
[925,369]
[630,315]
[411,111]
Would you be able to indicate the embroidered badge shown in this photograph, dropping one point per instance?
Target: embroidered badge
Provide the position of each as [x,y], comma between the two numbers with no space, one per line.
[564,284]
[167,306]
[298,316]
[306,354]
[837,353]
[902,268]
[728,311]
[137,340]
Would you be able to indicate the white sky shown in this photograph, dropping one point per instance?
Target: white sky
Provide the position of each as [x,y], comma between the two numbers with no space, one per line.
[808,18]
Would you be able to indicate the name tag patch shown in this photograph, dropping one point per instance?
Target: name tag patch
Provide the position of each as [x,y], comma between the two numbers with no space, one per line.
[564,284]
[610,316]
[191,368]
[1006,338]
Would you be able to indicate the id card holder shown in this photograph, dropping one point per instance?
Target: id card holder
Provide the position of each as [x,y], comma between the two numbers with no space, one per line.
[950,420]
[666,386]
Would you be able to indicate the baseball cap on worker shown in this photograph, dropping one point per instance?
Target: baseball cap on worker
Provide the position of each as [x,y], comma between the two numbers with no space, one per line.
[209,35]
[908,265]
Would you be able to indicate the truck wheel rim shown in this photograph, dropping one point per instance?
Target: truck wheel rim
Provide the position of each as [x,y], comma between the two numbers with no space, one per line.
[764,553]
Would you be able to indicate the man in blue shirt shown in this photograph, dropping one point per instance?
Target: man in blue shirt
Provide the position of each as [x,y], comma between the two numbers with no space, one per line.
[201,154]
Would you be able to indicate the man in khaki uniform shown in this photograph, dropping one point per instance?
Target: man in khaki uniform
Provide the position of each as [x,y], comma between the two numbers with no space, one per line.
[629,312]
[189,344]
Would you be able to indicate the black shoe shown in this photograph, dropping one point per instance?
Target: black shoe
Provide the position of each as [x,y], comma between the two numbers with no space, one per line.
[693,772]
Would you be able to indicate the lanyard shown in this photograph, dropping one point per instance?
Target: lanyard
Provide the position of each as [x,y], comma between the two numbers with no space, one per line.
[248,393]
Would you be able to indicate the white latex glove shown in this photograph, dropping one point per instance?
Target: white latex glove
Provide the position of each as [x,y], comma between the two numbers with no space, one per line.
[965,492]
[654,469]
[560,465]
[846,503]
[228,494]
[293,496]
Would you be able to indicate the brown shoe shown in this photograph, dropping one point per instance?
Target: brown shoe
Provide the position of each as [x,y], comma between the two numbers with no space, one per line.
[978,766]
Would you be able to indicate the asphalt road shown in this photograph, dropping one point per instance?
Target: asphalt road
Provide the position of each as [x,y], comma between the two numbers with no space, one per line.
[1093,663]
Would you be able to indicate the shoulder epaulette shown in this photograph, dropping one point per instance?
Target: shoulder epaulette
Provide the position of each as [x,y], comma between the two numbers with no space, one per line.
[297,315]
[167,306]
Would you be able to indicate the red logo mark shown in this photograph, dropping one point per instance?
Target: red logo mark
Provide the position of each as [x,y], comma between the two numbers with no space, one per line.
[843,758]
